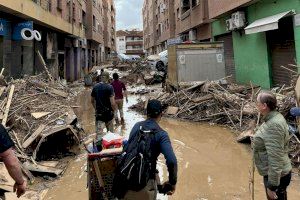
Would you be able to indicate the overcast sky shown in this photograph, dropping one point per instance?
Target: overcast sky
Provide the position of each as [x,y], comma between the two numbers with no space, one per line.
[129,14]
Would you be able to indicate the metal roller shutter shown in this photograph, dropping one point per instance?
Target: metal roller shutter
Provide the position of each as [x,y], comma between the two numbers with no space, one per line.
[282,51]
[228,53]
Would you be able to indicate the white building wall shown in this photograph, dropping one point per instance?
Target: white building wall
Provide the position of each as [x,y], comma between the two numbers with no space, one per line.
[121,44]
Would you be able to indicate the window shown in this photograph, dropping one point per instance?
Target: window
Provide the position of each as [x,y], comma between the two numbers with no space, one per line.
[74,12]
[195,3]
[94,23]
[185,6]
[59,4]
[83,18]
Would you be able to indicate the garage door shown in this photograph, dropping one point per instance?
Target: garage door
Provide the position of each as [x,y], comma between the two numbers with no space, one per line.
[229,55]
[282,49]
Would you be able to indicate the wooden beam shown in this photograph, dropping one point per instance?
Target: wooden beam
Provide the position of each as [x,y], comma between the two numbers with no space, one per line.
[10,96]
[42,169]
[37,133]
[44,65]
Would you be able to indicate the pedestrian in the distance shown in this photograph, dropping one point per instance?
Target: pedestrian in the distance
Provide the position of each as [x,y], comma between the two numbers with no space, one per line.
[120,92]
[11,162]
[103,100]
[270,148]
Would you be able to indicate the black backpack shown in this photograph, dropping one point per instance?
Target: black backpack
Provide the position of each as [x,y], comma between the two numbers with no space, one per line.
[135,165]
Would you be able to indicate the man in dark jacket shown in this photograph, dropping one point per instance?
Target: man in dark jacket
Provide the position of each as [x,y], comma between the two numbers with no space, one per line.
[103,100]
[11,161]
[161,144]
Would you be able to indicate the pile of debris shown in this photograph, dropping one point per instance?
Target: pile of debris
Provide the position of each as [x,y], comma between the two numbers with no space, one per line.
[38,114]
[142,73]
[218,102]
[226,104]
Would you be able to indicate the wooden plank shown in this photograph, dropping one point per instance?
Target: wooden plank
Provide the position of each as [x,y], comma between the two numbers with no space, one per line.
[71,117]
[204,98]
[99,178]
[49,89]
[2,90]
[245,136]
[172,110]
[38,115]
[49,163]
[2,70]
[42,169]
[44,65]
[29,195]
[10,96]
[36,134]
[58,92]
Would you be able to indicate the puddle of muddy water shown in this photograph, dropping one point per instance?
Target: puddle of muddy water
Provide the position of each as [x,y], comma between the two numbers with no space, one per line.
[212,165]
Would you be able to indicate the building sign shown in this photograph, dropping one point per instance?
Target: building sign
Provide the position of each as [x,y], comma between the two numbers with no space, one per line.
[172,41]
[18,28]
[4,27]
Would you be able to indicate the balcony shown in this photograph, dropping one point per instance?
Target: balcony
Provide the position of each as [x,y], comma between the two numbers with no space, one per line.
[39,13]
[134,51]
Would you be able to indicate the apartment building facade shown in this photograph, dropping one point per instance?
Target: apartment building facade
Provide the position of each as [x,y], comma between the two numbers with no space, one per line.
[109,28]
[130,42]
[260,37]
[64,29]
[167,22]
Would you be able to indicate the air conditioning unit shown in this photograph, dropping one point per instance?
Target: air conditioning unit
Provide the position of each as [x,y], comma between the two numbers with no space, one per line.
[229,25]
[238,19]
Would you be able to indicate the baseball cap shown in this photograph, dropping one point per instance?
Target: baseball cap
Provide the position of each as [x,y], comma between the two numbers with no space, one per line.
[154,108]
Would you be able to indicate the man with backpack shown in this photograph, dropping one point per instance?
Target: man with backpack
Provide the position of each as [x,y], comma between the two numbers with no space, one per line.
[103,100]
[136,169]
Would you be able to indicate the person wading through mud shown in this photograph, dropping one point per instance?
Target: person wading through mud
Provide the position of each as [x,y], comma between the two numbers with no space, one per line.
[103,100]
[270,148]
[136,176]
[11,162]
[120,89]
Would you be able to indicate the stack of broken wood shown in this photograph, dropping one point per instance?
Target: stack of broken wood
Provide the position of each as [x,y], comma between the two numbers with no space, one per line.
[218,102]
[37,113]
[211,101]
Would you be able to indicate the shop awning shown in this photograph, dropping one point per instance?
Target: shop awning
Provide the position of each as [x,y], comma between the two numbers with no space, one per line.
[268,23]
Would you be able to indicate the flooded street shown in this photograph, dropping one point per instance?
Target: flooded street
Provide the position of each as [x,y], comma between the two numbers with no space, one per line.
[212,165]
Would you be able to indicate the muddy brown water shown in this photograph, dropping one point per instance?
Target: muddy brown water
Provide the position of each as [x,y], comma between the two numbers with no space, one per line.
[212,166]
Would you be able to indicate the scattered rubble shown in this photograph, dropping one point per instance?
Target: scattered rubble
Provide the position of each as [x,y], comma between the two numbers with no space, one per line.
[219,102]
[38,114]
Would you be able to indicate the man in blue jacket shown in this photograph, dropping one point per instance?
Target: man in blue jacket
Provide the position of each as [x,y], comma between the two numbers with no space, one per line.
[161,144]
